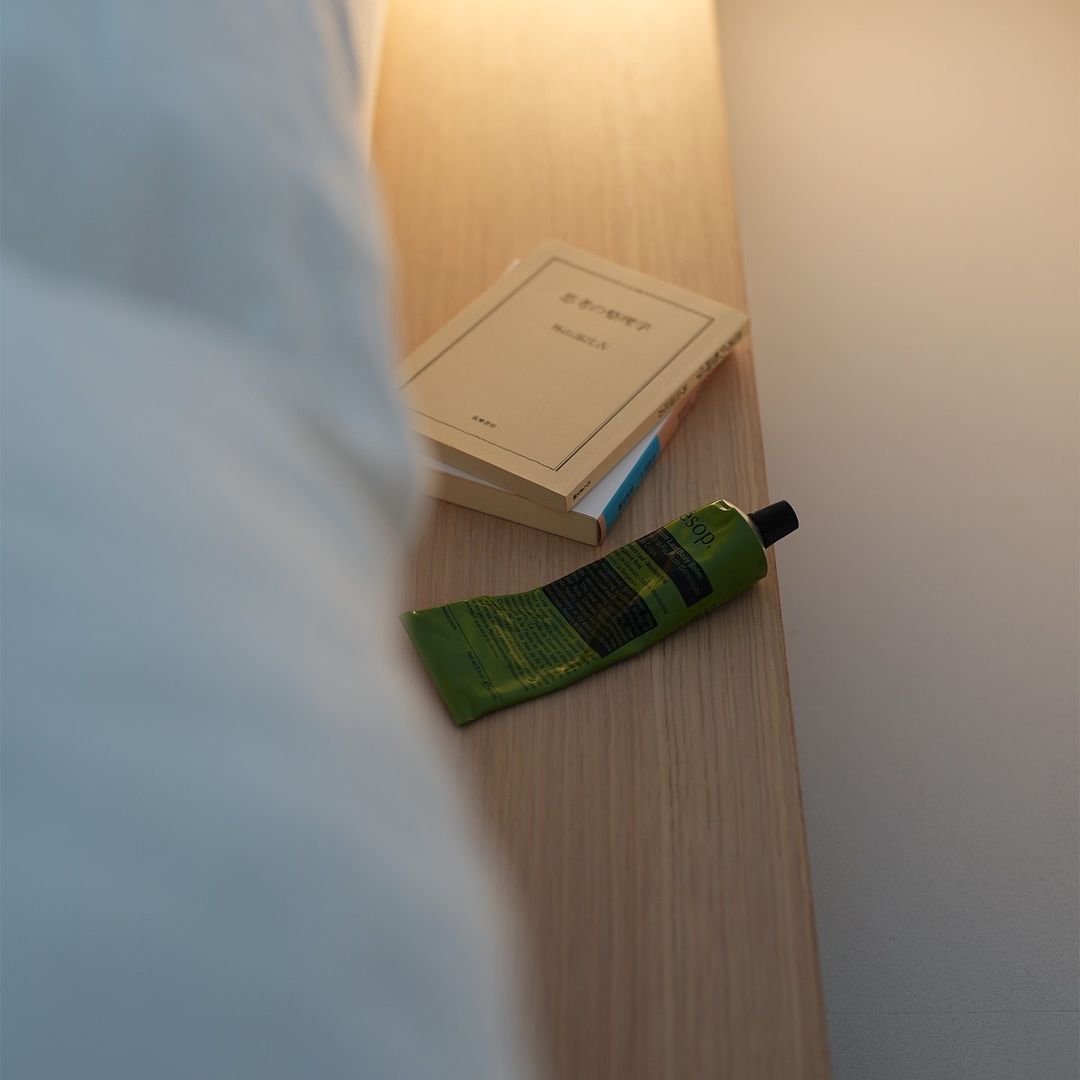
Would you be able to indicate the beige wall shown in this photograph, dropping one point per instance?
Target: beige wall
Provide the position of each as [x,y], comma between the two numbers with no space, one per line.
[907,182]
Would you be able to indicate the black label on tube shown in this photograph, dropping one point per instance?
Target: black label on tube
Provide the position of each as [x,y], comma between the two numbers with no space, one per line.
[601,606]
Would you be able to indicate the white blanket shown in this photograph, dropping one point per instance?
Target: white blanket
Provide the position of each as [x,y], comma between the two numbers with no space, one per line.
[230,845]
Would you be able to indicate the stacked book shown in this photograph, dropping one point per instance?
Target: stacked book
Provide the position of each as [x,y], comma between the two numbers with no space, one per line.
[549,397]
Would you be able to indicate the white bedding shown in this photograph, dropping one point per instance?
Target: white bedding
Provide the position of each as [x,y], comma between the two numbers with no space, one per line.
[230,844]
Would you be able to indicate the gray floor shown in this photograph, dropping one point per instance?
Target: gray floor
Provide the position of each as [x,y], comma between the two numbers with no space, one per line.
[906,175]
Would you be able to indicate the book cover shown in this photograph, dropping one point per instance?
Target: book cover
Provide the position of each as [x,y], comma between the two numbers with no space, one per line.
[551,377]
[591,519]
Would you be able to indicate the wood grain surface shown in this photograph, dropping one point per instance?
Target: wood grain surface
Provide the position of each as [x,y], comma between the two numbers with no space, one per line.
[649,818]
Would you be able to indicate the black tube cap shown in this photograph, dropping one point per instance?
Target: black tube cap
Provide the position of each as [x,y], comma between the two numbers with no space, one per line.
[774,522]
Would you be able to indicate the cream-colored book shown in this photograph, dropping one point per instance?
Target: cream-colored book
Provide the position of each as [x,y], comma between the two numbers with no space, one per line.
[553,374]
[593,514]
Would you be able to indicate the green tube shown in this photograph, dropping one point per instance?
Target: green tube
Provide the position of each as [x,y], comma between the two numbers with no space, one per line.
[493,651]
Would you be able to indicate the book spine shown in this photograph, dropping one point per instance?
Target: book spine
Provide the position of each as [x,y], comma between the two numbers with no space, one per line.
[627,488]
[651,452]
[692,385]
[671,412]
